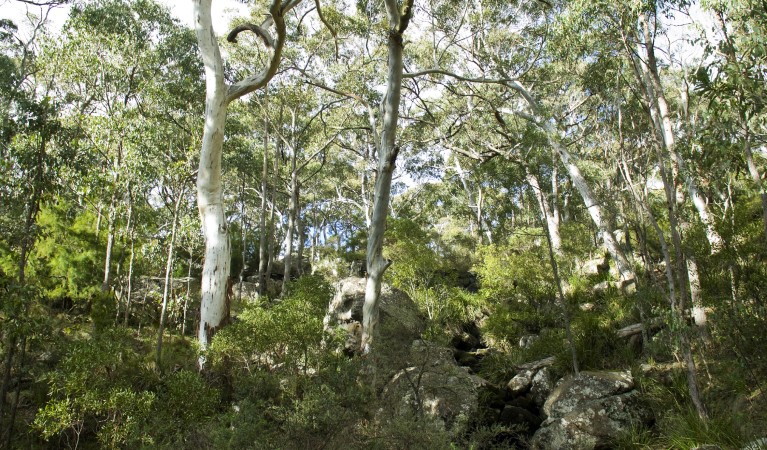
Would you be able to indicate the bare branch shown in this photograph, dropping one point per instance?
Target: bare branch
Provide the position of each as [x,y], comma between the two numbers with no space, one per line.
[260,32]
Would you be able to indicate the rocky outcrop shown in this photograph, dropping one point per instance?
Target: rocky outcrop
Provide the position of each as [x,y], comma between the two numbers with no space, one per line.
[400,322]
[436,387]
[585,412]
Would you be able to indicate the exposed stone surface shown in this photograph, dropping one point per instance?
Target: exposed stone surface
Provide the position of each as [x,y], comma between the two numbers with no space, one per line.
[587,411]
[541,386]
[521,382]
[527,340]
[571,392]
[436,387]
[400,322]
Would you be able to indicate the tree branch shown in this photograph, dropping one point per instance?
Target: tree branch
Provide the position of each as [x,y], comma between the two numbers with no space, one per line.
[260,32]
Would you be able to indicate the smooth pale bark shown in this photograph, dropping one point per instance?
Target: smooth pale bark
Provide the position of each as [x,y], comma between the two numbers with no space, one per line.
[217,259]
[659,101]
[214,308]
[126,314]
[551,222]
[555,215]
[110,244]
[560,292]
[301,232]
[188,292]
[387,157]
[168,278]
[271,230]
[626,271]
[243,241]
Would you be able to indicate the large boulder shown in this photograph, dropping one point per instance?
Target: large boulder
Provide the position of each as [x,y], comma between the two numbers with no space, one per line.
[434,386]
[585,412]
[400,322]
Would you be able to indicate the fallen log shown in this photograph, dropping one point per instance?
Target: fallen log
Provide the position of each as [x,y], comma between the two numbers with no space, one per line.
[653,326]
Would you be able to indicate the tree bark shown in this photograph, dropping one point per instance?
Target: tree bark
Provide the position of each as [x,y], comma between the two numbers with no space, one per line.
[216,265]
[387,157]
[551,222]
[110,243]
[659,101]
[626,271]
[214,309]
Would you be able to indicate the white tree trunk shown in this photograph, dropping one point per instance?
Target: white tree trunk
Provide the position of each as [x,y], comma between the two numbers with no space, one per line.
[387,157]
[669,140]
[214,308]
[625,269]
[216,265]
[552,224]
[110,244]
[262,242]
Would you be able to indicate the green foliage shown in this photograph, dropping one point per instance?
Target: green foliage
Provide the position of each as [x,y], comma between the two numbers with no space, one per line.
[69,256]
[184,400]
[103,309]
[285,337]
[517,271]
[102,389]
[95,391]
[427,277]
[596,344]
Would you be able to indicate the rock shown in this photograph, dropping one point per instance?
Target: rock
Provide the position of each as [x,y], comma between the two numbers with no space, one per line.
[587,411]
[572,392]
[601,287]
[535,365]
[249,290]
[541,386]
[514,415]
[437,388]
[528,340]
[521,382]
[400,322]
[596,266]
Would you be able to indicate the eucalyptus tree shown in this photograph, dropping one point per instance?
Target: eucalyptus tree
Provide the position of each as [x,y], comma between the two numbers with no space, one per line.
[735,84]
[216,266]
[112,54]
[500,80]
[33,149]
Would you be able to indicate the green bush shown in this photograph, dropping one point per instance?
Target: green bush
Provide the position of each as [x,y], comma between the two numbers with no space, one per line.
[98,389]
